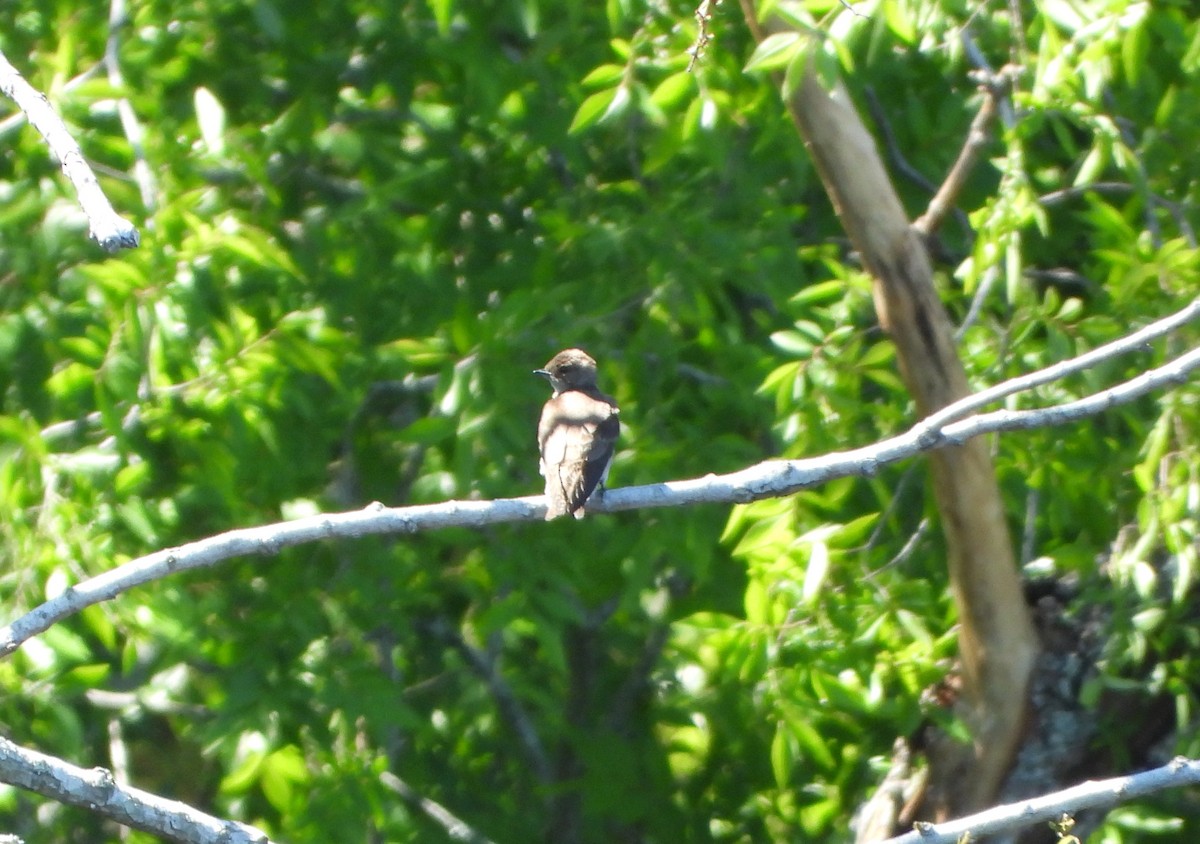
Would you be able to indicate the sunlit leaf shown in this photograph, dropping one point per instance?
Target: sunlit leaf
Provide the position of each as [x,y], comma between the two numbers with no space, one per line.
[775,51]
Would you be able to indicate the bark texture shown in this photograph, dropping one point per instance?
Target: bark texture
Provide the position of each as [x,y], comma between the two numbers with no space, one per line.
[997,641]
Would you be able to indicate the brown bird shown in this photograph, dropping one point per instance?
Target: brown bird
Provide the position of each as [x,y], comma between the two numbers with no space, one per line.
[577,433]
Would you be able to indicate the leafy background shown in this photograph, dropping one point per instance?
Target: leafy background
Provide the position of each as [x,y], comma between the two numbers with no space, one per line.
[366,222]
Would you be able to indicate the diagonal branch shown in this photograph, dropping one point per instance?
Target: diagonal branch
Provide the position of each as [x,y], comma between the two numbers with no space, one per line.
[118,18]
[97,791]
[772,478]
[997,642]
[894,153]
[109,229]
[455,827]
[944,201]
[1098,794]
[506,701]
[1136,341]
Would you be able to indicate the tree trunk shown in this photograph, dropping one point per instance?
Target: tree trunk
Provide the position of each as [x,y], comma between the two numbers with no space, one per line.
[997,641]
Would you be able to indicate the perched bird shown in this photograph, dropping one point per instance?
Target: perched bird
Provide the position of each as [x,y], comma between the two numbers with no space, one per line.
[576,435]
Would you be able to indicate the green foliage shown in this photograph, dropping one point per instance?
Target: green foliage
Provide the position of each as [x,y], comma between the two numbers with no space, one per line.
[370,222]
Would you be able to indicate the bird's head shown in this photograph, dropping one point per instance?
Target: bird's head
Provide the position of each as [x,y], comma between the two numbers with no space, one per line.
[571,369]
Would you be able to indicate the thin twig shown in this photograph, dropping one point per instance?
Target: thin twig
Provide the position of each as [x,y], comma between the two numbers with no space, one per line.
[904,553]
[898,493]
[1178,213]
[990,77]
[879,116]
[134,133]
[506,701]
[1029,531]
[1131,342]
[1057,197]
[944,201]
[1125,130]
[704,16]
[981,293]
[1177,210]
[454,826]
[637,680]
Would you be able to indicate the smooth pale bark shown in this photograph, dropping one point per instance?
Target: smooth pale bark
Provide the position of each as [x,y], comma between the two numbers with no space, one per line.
[997,641]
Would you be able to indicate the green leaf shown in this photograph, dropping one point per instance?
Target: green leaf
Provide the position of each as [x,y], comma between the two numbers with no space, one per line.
[899,21]
[813,744]
[792,342]
[86,676]
[775,52]
[673,89]
[282,773]
[783,755]
[879,354]
[604,76]
[594,109]
[1135,47]
[210,115]
[247,770]
[820,293]
[1093,164]
[815,572]
[1013,276]
[443,11]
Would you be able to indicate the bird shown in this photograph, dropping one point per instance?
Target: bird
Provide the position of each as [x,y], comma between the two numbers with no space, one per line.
[577,433]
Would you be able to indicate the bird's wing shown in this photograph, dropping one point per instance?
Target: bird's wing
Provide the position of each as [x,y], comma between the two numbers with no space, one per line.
[600,455]
[577,435]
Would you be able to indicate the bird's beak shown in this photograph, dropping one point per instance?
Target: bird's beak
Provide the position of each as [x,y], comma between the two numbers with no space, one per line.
[542,372]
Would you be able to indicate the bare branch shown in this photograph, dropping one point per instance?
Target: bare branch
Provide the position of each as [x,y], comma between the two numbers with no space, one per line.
[1130,342]
[134,133]
[1051,807]
[506,701]
[97,791]
[990,77]
[907,170]
[997,641]
[1057,197]
[944,201]
[985,287]
[454,826]
[877,818]
[108,228]
[772,478]
[704,14]
[15,120]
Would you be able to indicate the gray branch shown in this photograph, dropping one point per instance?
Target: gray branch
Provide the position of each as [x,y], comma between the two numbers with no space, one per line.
[108,228]
[770,479]
[97,791]
[1131,342]
[134,133]
[454,826]
[1099,794]
[506,701]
